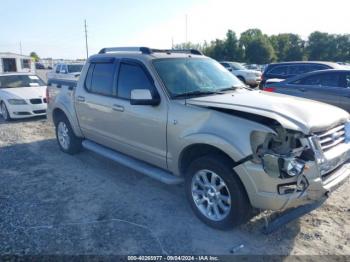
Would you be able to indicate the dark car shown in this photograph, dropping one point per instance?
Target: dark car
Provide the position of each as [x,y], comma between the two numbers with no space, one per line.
[39,66]
[289,69]
[329,86]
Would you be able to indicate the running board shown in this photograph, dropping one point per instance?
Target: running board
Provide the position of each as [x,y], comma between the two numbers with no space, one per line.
[139,166]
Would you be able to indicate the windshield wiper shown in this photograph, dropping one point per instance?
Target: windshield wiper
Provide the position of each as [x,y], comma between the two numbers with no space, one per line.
[198,93]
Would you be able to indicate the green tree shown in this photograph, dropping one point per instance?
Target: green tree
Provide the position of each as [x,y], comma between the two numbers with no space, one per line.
[257,47]
[34,56]
[188,45]
[288,47]
[322,46]
[226,49]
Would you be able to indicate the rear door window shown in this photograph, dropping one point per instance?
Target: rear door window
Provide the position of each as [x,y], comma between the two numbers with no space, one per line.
[326,79]
[101,79]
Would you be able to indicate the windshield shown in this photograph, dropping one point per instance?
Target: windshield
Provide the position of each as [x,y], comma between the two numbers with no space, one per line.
[75,68]
[194,76]
[237,66]
[15,81]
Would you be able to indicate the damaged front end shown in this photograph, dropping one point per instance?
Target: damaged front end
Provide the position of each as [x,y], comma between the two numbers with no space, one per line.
[305,162]
[283,155]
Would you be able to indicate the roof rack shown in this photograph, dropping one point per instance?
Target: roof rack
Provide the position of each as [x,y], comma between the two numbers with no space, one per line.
[148,51]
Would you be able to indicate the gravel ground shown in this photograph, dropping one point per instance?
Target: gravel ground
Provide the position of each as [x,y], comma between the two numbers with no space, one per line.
[53,203]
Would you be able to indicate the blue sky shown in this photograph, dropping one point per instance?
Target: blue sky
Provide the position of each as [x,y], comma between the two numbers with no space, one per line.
[55,28]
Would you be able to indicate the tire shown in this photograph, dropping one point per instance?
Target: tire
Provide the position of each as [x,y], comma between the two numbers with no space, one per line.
[66,139]
[241,78]
[234,193]
[4,112]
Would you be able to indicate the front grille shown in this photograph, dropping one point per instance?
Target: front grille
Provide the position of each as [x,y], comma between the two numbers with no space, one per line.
[332,137]
[35,101]
[39,111]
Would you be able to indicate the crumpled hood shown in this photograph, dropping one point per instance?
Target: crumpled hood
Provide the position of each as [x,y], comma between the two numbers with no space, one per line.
[293,113]
[25,92]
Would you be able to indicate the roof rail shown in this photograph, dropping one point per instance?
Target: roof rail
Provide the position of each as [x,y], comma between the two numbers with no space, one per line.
[148,51]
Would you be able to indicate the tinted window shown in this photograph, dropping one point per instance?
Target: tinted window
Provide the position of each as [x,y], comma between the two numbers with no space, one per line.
[102,79]
[58,68]
[279,70]
[297,69]
[89,77]
[132,77]
[75,68]
[225,64]
[329,79]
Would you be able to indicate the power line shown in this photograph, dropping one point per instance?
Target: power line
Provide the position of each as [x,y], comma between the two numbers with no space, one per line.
[86,40]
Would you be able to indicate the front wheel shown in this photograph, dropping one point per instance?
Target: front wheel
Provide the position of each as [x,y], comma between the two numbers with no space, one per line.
[67,140]
[4,112]
[216,194]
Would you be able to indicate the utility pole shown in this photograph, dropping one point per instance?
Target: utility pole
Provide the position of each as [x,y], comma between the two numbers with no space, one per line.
[186,29]
[86,41]
[20,47]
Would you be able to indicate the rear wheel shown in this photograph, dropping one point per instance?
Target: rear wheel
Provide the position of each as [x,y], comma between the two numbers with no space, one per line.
[4,112]
[216,194]
[67,140]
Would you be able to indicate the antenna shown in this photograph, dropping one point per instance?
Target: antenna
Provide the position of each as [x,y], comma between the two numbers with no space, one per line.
[20,47]
[86,40]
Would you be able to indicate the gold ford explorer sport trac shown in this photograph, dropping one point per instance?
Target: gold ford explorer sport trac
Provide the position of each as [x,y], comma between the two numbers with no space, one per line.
[176,115]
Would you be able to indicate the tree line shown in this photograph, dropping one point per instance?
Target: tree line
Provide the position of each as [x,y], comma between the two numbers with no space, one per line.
[257,48]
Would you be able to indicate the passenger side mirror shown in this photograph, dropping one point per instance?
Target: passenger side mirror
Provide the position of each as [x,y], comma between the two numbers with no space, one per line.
[143,97]
[229,69]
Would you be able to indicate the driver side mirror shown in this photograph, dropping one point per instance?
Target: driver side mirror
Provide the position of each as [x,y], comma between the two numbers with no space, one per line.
[229,69]
[143,97]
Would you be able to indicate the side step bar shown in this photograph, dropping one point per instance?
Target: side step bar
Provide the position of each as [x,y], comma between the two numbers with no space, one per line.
[139,166]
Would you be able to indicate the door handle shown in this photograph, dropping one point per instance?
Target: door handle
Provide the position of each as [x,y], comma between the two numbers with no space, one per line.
[118,108]
[81,99]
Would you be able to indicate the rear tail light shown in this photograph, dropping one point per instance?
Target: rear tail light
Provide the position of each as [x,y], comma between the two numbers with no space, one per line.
[269,89]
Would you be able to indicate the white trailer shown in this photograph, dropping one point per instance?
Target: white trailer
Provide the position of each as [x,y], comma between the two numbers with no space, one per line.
[15,63]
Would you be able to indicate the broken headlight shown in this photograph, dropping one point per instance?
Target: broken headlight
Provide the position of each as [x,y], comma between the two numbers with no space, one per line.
[282,154]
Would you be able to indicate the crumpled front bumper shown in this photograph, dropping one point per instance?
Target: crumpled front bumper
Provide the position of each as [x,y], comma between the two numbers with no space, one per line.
[262,188]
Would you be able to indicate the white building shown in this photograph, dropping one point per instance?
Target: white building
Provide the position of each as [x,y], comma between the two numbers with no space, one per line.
[10,62]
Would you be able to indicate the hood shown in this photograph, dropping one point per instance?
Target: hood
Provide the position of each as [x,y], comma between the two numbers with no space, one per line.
[293,113]
[25,92]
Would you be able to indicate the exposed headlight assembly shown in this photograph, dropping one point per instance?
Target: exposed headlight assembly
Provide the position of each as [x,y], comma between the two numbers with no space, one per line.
[282,154]
[17,101]
[282,167]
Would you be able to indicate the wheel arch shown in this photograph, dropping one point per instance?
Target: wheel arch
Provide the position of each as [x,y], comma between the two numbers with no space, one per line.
[59,111]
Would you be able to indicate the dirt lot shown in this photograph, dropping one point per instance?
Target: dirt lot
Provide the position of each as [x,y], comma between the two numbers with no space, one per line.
[53,203]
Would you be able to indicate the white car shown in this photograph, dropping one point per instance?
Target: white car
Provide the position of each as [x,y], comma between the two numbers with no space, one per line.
[22,95]
[249,77]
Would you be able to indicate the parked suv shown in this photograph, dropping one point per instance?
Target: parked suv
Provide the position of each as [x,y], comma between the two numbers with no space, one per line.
[247,76]
[180,116]
[279,71]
